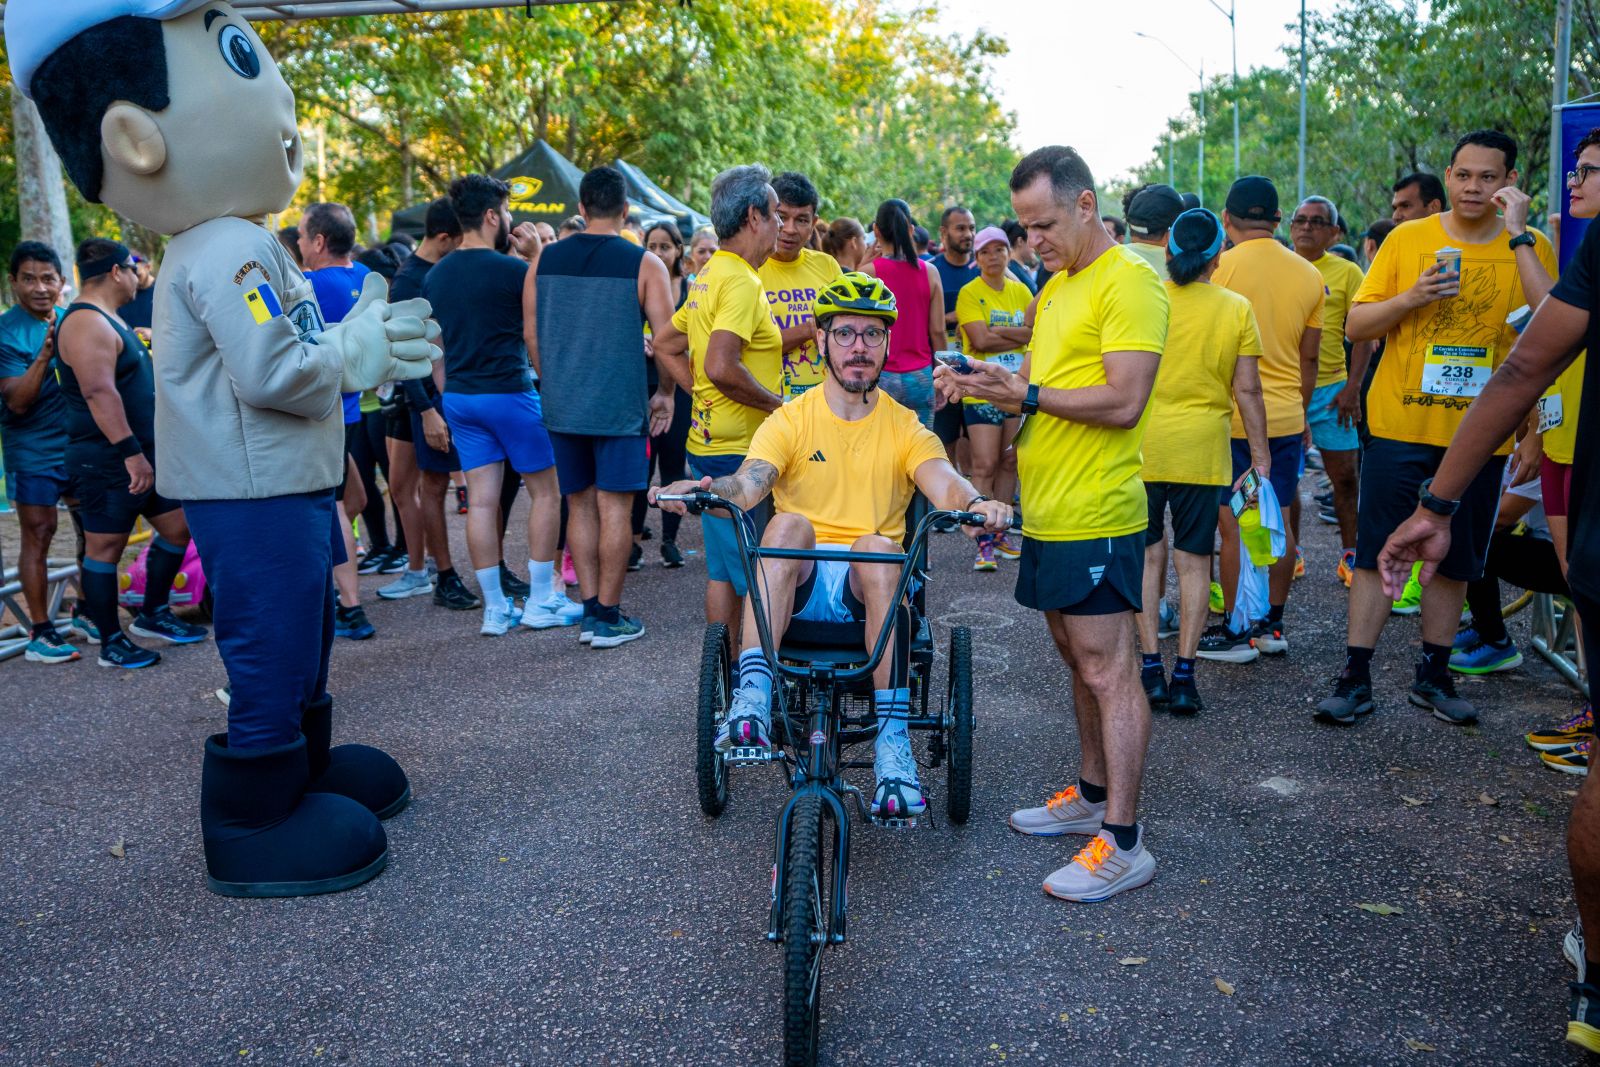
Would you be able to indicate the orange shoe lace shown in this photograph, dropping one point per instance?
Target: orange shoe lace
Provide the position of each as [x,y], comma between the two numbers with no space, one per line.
[1094,854]
[1066,796]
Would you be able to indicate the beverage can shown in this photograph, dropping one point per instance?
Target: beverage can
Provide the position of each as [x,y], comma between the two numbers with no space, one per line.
[1450,259]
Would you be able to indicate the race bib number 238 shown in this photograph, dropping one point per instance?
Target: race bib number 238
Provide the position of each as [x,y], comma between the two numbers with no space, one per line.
[1456,370]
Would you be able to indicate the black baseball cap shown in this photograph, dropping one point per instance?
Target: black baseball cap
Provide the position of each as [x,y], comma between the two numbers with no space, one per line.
[1153,208]
[1253,197]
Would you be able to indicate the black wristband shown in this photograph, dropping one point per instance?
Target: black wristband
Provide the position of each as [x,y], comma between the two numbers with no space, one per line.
[1030,403]
[128,447]
[1437,505]
[979,499]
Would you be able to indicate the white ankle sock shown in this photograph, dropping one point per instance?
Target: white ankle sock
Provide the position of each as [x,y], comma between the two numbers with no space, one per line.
[489,581]
[543,576]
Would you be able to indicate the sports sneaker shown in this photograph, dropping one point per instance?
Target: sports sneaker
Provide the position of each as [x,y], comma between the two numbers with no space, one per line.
[1101,870]
[1299,562]
[1565,735]
[1224,646]
[118,651]
[899,794]
[1583,1016]
[1350,701]
[1329,516]
[409,584]
[1439,696]
[375,562]
[511,585]
[1269,637]
[1217,604]
[1485,657]
[397,562]
[461,500]
[671,555]
[352,623]
[635,557]
[85,630]
[1574,760]
[1155,687]
[1410,602]
[569,573]
[165,626]
[554,610]
[1006,548]
[985,560]
[498,621]
[1347,567]
[1466,637]
[1065,813]
[47,646]
[586,629]
[1184,697]
[224,694]
[1572,948]
[749,722]
[1166,620]
[451,592]
[612,634]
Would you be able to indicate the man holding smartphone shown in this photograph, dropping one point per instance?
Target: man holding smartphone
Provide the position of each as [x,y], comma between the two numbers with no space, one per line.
[1446,333]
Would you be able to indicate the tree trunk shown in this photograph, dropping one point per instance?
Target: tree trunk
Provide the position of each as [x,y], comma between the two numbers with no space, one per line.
[41,192]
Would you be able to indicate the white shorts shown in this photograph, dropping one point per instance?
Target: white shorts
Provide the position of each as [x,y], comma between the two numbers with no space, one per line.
[830,584]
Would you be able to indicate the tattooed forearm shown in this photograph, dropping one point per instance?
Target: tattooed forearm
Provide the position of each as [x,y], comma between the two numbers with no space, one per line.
[748,485]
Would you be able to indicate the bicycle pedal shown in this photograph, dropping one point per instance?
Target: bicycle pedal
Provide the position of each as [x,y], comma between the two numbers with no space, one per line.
[746,756]
[889,823]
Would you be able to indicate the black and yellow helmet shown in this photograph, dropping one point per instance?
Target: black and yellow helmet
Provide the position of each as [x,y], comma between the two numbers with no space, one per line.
[855,294]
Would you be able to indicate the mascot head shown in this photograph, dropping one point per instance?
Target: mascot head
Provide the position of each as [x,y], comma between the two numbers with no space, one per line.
[169,111]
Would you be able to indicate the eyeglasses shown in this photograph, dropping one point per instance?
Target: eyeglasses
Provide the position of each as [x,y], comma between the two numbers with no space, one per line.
[1306,220]
[872,336]
[1581,175]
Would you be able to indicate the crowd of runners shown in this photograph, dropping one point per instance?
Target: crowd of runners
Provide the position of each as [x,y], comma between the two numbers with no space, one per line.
[1115,393]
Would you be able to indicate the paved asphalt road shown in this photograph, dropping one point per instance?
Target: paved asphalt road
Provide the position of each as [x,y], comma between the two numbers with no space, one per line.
[554,895]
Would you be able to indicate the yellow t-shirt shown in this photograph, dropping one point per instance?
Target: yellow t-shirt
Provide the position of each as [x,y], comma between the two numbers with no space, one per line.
[1341,279]
[1155,255]
[1439,357]
[791,290]
[1080,481]
[978,302]
[727,295]
[1286,293]
[1210,330]
[1558,412]
[849,478]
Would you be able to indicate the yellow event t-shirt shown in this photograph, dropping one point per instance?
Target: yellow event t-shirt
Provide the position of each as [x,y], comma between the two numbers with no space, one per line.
[1209,331]
[1286,293]
[1439,357]
[849,478]
[1341,279]
[791,290]
[1155,255]
[1558,413]
[727,295]
[978,302]
[1081,481]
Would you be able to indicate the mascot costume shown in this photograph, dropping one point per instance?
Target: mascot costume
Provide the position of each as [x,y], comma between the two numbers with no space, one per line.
[172,113]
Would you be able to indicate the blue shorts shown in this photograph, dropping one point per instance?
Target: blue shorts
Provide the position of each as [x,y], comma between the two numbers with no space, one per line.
[912,389]
[610,464]
[1326,433]
[721,543]
[826,595]
[41,488]
[1286,451]
[490,427]
[428,457]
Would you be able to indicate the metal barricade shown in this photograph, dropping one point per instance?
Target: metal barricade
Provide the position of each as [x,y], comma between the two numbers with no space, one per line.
[59,574]
[1555,637]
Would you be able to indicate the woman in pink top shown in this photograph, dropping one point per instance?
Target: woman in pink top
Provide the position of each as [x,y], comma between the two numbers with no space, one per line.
[919,330]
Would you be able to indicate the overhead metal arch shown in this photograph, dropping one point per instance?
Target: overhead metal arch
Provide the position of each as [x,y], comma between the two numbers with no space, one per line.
[270,11]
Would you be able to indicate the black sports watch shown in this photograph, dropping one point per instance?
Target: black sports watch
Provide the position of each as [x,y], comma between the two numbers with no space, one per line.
[1437,505]
[1030,402]
[1523,238]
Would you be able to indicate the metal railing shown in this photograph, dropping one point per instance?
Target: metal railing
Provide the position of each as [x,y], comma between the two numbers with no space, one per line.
[1555,637]
[59,575]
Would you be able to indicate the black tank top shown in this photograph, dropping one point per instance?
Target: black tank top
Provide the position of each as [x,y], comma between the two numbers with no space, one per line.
[136,384]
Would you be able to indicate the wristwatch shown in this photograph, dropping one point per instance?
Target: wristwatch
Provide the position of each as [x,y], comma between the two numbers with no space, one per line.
[1523,238]
[1030,402]
[1437,505]
[979,499]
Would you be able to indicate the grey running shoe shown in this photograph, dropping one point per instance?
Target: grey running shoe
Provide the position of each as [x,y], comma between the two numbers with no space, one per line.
[1439,696]
[409,584]
[613,634]
[1065,813]
[1101,870]
[1349,701]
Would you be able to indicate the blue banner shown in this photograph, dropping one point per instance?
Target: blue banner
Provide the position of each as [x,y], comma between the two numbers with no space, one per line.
[1576,121]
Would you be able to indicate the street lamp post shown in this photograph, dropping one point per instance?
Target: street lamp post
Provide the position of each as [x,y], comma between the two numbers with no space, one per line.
[1302,101]
[1200,156]
[1233,33]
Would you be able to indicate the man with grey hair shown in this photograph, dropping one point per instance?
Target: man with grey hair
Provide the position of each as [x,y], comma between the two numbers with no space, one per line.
[1335,405]
[1098,335]
[736,358]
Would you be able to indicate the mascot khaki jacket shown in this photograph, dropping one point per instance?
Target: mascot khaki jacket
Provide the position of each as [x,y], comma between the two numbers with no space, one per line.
[247,403]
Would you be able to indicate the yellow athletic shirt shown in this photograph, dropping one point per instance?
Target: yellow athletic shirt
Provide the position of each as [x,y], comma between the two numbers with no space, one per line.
[1559,416]
[1341,280]
[978,302]
[727,295]
[1286,293]
[791,290]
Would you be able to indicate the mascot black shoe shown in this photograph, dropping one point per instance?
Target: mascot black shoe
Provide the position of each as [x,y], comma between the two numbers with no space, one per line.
[365,774]
[265,836]
[172,113]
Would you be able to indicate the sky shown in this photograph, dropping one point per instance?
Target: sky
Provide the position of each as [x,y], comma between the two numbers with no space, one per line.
[1131,85]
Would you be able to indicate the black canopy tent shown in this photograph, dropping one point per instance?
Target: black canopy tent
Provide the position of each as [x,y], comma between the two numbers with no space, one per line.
[644,191]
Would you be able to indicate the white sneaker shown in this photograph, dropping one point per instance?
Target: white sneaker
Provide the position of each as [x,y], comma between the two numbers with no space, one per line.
[1101,870]
[554,610]
[1572,947]
[899,794]
[409,584]
[1065,813]
[752,718]
[496,622]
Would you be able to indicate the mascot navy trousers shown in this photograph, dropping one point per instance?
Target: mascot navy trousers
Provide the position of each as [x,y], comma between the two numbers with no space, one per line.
[270,567]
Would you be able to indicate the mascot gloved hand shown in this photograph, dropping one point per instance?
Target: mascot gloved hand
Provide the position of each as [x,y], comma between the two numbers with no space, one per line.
[173,113]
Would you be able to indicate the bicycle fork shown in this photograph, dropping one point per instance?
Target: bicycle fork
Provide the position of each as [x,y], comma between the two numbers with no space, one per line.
[818,777]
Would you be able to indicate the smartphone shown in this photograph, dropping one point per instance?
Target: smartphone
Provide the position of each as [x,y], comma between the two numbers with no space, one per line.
[1246,494]
[956,361]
